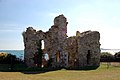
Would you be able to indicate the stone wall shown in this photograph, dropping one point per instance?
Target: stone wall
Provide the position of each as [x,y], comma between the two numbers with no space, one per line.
[72,49]
[89,46]
[70,52]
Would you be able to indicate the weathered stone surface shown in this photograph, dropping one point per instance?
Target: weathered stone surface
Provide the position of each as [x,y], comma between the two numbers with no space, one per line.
[77,33]
[70,52]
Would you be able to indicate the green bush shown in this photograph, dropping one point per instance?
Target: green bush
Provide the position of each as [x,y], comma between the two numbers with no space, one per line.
[106,57]
[6,58]
[117,56]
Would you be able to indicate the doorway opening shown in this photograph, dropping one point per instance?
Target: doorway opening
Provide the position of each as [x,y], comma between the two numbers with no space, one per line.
[58,56]
[88,57]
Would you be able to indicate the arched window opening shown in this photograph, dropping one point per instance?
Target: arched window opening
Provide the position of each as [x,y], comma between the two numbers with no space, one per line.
[43,44]
[88,56]
[58,56]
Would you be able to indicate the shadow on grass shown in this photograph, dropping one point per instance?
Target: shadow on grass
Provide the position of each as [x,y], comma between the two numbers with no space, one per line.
[44,70]
[38,70]
[86,68]
[25,70]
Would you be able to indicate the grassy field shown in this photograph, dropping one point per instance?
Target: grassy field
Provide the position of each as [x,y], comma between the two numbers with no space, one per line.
[102,73]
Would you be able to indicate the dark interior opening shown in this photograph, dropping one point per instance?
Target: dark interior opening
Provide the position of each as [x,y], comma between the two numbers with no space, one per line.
[88,57]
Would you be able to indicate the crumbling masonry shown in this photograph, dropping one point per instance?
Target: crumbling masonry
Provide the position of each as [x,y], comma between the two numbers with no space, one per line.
[68,52]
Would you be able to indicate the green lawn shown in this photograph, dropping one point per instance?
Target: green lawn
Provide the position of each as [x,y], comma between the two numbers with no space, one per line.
[102,73]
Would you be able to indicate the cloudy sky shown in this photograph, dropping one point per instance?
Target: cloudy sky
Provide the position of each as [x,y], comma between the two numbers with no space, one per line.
[82,15]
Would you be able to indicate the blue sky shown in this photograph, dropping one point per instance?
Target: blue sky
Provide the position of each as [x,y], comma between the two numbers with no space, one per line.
[82,15]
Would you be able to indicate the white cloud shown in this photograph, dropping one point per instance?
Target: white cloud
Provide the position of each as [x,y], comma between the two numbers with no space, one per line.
[110,38]
[116,18]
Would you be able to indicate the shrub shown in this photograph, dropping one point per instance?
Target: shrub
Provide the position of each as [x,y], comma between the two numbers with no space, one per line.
[106,57]
[6,58]
[117,56]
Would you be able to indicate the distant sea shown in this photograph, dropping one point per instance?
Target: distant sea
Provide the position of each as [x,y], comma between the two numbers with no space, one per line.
[18,53]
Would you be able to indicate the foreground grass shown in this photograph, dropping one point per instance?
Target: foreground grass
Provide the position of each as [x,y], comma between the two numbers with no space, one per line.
[102,73]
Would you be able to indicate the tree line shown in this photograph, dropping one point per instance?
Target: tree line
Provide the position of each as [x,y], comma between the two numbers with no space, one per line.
[108,57]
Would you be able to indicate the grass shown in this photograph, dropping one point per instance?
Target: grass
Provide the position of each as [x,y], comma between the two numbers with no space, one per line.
[102,73]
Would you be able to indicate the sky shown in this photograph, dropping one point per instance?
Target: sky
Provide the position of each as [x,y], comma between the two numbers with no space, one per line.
[82,15]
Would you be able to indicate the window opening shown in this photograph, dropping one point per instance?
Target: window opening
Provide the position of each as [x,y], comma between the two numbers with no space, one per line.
[43,44]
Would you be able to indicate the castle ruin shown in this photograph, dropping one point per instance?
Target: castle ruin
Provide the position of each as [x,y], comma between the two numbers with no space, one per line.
[66,52]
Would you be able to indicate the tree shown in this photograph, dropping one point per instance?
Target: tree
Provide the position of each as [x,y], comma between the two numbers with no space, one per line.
[38,55]
[5,58]
[117,56]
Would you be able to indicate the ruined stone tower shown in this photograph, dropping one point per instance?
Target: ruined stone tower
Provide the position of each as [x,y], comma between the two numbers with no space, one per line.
[68,52]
